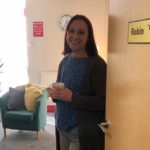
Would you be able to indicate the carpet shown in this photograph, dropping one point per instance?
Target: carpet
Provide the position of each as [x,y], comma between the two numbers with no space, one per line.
[26,140]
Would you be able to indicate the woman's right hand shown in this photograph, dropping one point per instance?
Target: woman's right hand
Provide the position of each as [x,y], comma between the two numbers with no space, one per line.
[60,93]
[50,92]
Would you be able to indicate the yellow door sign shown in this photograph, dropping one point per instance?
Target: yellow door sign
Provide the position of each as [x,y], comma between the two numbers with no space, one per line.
[139,31]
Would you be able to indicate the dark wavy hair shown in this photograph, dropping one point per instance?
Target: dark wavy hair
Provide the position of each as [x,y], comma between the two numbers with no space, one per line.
[91,48]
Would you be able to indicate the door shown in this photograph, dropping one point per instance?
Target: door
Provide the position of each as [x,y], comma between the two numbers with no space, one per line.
[128,80]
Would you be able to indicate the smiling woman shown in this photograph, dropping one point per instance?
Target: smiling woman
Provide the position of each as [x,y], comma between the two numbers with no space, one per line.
[13,49]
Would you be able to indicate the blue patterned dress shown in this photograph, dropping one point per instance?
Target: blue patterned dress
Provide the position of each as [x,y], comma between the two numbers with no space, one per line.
[72,73]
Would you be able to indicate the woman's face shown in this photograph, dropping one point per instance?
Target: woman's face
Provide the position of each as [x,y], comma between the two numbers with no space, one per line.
[77,36]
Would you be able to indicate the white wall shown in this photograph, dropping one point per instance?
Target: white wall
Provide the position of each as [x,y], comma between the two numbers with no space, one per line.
[44,53]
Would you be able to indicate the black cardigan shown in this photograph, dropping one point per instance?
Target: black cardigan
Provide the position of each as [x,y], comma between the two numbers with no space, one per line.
[90,103]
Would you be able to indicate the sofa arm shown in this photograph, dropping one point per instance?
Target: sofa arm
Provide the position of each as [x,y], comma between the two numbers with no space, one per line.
[3,104]
[41,110]
[4,101]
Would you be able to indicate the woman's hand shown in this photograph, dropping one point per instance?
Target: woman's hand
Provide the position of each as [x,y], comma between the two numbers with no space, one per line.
[60,93]
[49,91]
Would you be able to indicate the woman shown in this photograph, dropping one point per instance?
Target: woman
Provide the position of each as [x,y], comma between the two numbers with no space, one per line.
[80,106]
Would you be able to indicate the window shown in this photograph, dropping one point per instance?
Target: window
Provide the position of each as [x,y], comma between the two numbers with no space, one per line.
[13,45]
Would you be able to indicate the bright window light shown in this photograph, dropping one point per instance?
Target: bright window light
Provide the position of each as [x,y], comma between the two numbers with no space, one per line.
[13,45]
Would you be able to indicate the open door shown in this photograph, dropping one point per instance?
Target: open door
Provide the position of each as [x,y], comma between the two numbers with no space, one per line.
[128,80]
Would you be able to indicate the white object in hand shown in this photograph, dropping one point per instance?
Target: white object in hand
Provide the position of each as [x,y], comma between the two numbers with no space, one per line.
[58,84]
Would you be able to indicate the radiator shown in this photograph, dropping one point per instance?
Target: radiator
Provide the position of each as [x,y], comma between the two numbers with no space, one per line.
[47,78]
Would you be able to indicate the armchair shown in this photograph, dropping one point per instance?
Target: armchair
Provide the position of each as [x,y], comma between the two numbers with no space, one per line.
[24,119]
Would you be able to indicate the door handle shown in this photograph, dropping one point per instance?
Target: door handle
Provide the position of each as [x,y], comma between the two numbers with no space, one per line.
[104,126]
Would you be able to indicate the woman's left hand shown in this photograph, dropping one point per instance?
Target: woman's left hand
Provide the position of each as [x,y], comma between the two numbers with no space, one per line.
[62,94]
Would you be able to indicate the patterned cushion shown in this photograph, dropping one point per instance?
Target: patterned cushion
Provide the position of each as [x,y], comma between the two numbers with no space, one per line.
[16,98]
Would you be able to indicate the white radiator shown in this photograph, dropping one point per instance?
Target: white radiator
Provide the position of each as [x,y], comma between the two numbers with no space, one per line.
[47,78]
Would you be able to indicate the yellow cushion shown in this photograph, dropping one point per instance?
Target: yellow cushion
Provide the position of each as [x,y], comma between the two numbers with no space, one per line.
[32,92]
